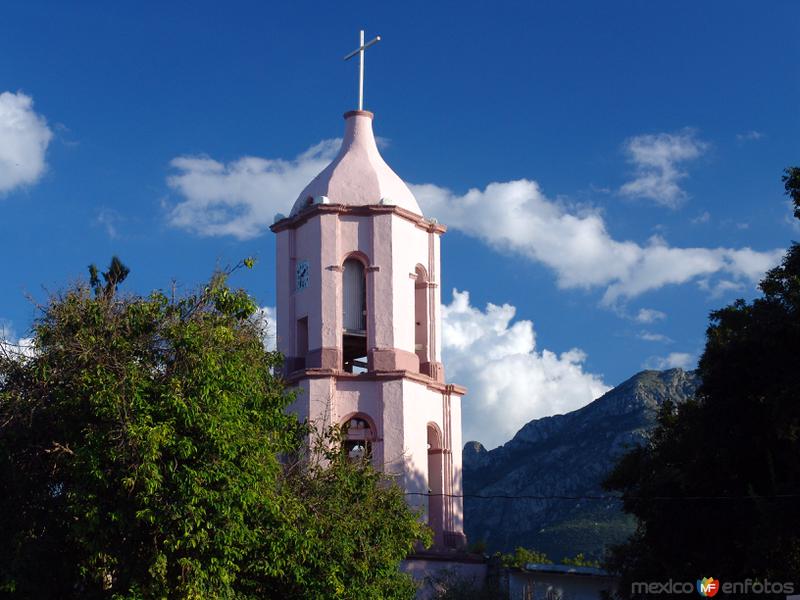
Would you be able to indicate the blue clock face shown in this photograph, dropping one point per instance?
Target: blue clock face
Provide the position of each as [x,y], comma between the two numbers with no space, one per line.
[301,275]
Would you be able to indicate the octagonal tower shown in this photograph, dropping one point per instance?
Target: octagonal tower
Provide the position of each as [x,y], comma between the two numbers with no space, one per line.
[359,322]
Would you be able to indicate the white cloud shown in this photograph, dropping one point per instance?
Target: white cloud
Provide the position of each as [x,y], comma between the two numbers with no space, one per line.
[749,136]
[703,217]
[720,288]
[649,315]
[510,380]
[23,347]
[673,360]
[656,172]
[12,346]
[789,217]
[649,336]
[24,137]
[268,321]
[108,219]
[241,198]
[575,243]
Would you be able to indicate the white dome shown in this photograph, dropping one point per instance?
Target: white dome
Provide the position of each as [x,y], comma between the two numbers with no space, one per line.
[358,176]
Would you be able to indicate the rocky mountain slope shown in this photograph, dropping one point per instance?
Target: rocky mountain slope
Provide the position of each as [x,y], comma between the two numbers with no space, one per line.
[565,455]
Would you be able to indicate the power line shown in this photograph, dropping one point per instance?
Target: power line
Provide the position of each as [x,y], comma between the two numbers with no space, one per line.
[601,498]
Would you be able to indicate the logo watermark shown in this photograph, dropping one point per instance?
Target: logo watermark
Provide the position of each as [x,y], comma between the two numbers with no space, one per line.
[708,587]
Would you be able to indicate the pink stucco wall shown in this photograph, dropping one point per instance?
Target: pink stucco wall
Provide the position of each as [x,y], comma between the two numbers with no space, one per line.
[401,409]
[392,247]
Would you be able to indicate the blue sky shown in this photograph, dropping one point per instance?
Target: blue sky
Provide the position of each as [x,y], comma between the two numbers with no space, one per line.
[624,160]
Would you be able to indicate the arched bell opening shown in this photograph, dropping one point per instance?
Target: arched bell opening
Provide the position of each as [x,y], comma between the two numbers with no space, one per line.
[354,316]
[359,434]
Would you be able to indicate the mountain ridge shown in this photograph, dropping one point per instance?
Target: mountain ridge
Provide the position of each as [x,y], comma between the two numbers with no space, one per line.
[565,455]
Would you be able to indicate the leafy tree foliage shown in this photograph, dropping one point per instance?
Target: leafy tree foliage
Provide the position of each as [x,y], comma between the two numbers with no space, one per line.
[355,529]
[523,556]
[145,452]
[579,560]
[791,181]
[716,490]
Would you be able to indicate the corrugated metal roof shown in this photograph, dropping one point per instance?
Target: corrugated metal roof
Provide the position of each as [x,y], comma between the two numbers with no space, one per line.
[566,570]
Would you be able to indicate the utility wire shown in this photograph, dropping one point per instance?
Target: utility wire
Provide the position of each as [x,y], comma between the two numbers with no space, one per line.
[602,498]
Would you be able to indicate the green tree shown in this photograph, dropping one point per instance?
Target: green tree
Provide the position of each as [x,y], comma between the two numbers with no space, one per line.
[356,529]
[523,556]
[146,452]
[579,560]
[717,488]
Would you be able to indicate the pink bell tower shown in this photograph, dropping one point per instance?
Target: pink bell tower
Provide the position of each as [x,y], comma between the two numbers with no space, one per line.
[359,322]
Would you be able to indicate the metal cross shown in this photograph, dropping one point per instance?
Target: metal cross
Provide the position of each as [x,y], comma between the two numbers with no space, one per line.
[360,52]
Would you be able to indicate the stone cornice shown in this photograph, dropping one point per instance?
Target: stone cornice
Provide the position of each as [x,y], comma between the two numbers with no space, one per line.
[365,211]
[445,388]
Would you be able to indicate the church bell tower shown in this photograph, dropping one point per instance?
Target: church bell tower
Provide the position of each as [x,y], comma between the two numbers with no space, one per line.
[359,322]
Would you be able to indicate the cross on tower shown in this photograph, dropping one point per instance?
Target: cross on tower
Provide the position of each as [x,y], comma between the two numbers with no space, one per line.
[360,52]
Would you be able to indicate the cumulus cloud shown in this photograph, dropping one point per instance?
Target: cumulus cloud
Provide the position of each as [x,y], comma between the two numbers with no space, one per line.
[510,380]
[649,336]
[268,320]
[12,346]
[24,137]
[656,159]
[702,218]
[673,360]
[720,288]
[240,198]
[575,243]
[649,315]
[20,348]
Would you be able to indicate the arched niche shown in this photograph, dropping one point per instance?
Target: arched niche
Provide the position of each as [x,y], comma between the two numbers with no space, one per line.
[359,434]
[354,312]
[436,488]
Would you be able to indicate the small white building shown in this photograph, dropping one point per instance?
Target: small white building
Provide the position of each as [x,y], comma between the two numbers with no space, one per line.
[558,582]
